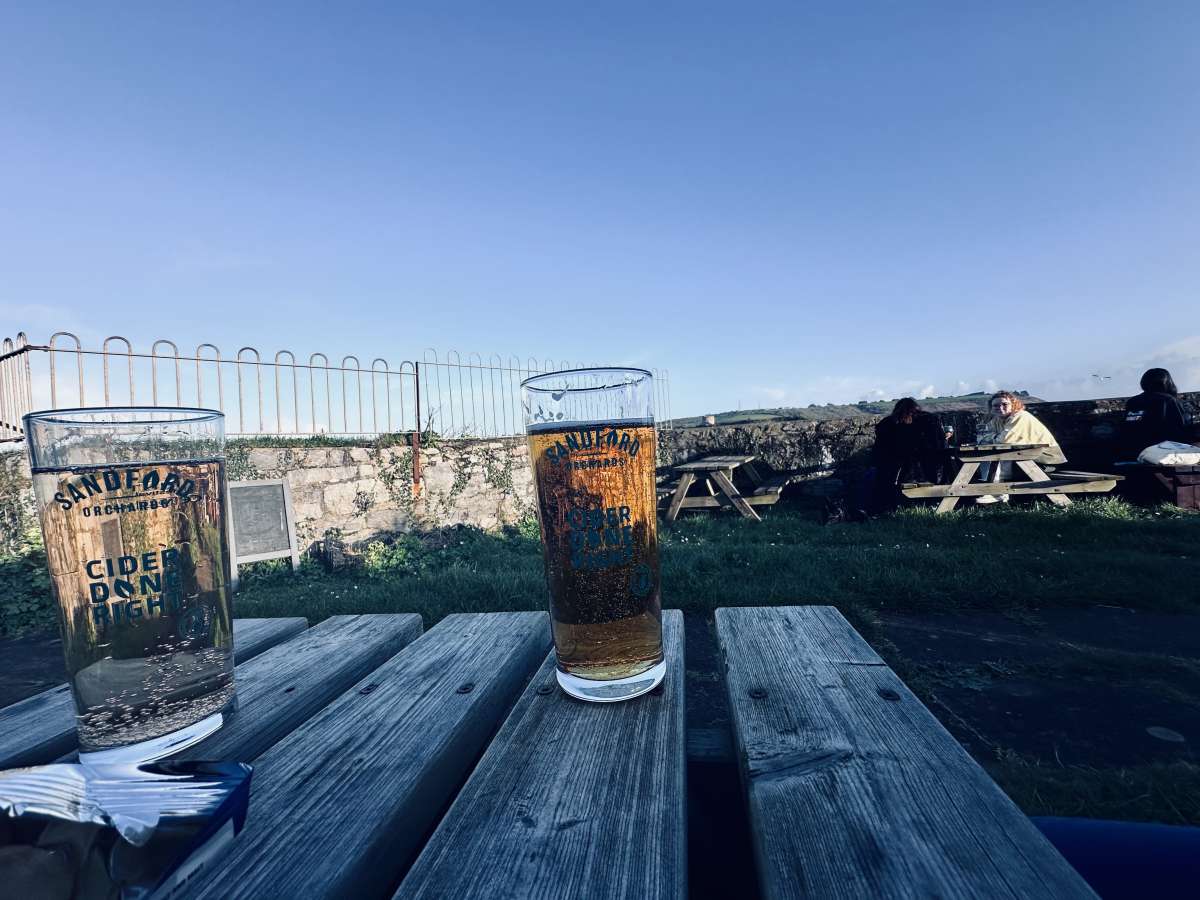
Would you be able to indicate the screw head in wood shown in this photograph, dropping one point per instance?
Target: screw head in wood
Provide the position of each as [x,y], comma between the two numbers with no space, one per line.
[758,693]
[465,688]
[888,694]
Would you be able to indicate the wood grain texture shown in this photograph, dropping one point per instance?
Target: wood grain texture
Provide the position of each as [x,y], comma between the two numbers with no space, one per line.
[855,789]
[572,800]
[291,683]
[714,463]
[340,807]
[41,728]
[727,488]
[1035,474]
[681,489]
[964,476]
[721,500]
[1051,486]
[254,636]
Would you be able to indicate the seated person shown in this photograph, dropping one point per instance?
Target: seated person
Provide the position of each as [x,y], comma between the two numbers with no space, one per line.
[1011,423]
[909,441]
[1153,416]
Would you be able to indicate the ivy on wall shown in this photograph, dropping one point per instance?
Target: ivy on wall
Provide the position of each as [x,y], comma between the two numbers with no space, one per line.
[25,599]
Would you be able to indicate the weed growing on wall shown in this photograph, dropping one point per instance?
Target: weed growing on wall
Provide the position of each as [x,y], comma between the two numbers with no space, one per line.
[237,463]
[395,471]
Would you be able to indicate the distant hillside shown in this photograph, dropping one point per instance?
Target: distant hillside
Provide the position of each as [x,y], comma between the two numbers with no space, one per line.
[976,402]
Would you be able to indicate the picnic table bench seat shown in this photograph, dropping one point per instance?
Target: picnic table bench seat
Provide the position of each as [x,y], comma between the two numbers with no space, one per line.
[774,484]
[1052,483]
[391,763]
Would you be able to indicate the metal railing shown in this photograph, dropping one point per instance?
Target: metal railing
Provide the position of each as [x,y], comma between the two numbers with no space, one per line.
[474,399]
[449,396]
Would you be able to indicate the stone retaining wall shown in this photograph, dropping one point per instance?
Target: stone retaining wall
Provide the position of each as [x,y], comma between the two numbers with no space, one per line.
[829,454]
[362,492]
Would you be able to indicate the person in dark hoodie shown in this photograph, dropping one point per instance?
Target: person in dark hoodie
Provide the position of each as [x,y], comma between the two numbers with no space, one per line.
[910,441]
[1154,415]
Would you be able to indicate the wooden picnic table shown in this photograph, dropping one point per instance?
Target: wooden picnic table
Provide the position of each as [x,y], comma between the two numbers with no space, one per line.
[1054,486]
[390,763]
[715,476]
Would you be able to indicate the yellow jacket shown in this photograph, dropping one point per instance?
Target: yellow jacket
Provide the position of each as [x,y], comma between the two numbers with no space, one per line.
[1022,427]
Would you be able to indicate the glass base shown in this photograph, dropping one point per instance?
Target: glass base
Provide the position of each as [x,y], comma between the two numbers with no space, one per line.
[163,745]
[614,690]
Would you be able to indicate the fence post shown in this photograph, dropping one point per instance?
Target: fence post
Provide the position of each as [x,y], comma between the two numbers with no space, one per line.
[416,438]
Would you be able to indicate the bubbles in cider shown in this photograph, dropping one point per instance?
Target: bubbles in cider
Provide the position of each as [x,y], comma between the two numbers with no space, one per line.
[139,561]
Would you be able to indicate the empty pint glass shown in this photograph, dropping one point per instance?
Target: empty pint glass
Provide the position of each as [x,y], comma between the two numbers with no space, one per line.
[592,447]
[132,509]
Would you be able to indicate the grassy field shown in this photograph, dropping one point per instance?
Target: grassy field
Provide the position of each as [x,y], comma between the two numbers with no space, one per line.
[1100,552]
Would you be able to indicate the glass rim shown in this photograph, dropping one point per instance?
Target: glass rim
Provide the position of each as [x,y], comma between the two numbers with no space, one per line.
[529,383]
[133,415]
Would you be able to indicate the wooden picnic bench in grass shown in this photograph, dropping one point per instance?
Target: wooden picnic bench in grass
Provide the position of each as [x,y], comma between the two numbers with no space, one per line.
[715,476]
[1054,485]
[390,763]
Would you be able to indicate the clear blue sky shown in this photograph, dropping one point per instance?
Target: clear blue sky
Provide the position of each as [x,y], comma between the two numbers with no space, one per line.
[779,203]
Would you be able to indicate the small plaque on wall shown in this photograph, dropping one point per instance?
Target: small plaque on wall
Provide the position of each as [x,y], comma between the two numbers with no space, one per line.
[261,523]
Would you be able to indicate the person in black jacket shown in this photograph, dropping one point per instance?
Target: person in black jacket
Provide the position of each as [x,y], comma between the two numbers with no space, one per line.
[909,442]
[1154,415]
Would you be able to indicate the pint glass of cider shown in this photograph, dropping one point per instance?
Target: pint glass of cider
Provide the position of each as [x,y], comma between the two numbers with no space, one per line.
[592,447]
[132,510]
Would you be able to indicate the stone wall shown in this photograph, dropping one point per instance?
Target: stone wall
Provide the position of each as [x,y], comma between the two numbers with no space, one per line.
[824,454]
[828,454]
[361,492]
[355,492]
[364,491]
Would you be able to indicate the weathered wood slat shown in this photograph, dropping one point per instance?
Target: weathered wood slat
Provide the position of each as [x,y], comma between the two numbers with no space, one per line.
[1017,488]
[289,684]
[727,488]
[855,789]
[715,463]
[41,728]
[1035,474]
[339,808]
[1087,476]
[999,453]
[254,636]
[722,500]
[964,476]
[572,800]
[685,482]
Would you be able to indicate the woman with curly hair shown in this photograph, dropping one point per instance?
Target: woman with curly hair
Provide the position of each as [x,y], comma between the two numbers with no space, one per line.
[1011,423]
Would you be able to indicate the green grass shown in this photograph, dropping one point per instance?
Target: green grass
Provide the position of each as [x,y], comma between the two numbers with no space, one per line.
[1012,559]
[1158,792]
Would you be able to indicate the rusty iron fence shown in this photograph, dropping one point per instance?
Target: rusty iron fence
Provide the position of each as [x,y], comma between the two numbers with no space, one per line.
[451,395]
